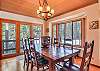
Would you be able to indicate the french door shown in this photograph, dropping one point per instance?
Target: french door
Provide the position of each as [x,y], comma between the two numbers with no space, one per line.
[71,30]
[37,31]
[11,34]
[61,33]
[8,38]
[77,33]
[24,33]
[54,30]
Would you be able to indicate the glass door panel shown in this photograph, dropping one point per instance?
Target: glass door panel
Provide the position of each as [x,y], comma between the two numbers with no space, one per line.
[37,31]
[77,33]
[61,32]
[24,33]
[54,31]
[8,38]
[68,31]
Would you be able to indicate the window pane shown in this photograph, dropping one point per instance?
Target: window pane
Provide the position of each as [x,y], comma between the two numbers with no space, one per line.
[54,30]
[37,31]
[24,33]
[61,32]
[68,31]
[77,33]
[9,38]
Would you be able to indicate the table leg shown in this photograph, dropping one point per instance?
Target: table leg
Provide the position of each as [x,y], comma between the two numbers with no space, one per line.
[70,59]
[52,66]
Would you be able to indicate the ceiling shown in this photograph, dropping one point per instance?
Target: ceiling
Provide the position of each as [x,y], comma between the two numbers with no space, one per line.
[29,7]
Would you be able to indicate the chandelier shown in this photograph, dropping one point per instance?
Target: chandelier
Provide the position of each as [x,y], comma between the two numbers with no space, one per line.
[44,11]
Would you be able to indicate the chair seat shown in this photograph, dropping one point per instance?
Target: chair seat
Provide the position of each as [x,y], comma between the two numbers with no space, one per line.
[43,61]
[30,57]
[73,67]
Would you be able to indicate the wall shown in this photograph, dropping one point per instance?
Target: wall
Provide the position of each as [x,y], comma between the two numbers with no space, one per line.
[45,28]
[91,13]
[12,16]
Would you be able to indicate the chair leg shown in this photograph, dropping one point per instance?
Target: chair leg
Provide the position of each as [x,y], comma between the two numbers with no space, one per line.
[37,69]
[31,65]
[24,63]
[27,65]
[43,69]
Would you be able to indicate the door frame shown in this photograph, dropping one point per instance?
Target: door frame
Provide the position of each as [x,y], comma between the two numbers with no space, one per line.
[17,23]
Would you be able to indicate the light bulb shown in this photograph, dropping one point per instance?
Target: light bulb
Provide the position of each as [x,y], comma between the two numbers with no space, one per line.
[40,8]
[43,14]
[38,11]
[49,14]
[48,8]
[52,11]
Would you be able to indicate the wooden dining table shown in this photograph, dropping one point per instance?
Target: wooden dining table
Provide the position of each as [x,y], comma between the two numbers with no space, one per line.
[56,54]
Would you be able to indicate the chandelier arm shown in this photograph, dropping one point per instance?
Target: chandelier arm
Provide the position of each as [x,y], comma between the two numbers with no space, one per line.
[39,3]
[43,2]
[46,2]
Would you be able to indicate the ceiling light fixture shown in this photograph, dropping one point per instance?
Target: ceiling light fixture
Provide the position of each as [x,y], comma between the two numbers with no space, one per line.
[44,11]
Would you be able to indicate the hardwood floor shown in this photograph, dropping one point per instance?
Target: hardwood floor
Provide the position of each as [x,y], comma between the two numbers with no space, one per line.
[92,67]
[16,64]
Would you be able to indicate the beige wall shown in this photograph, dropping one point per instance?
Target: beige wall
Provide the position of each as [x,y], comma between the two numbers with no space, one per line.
[91,13]
[45,28]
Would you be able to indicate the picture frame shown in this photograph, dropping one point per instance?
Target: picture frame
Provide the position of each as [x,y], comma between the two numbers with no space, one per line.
[94,25]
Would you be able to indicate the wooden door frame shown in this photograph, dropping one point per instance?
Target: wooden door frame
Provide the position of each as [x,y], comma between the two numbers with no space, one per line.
[56,29]
[82,29]
[0,38]
[17,37]
[17,23]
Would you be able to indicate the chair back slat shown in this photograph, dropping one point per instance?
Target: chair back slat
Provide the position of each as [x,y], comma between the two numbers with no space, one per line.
[45,41]
[87,55]
[26,50]
[57,40]
[31,46]
[36,56]
[67,42]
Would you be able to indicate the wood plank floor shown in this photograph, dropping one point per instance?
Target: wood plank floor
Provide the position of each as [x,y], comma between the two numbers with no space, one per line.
[92,67]
[16,64]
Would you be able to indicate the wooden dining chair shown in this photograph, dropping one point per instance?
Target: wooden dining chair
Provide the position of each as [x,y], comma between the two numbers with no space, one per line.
[27,56]
[36,40]
[45,41]
[86,59]
[37,61]
[57,41]
[68,43]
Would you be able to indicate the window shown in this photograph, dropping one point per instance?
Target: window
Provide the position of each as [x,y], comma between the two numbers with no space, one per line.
[77,33]
[61,32]
[69,30]
[37,31]
[24,33]
[8,38]
[54,30]
[12,33]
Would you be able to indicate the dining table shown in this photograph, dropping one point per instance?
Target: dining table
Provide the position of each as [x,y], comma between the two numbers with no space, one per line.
[55,54]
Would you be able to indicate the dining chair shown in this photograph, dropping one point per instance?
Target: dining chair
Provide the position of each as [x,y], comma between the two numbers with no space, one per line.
[38,60]
[27,56]
[45,40]
[86,59]
[68,43]
[36,40]
[57,41]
